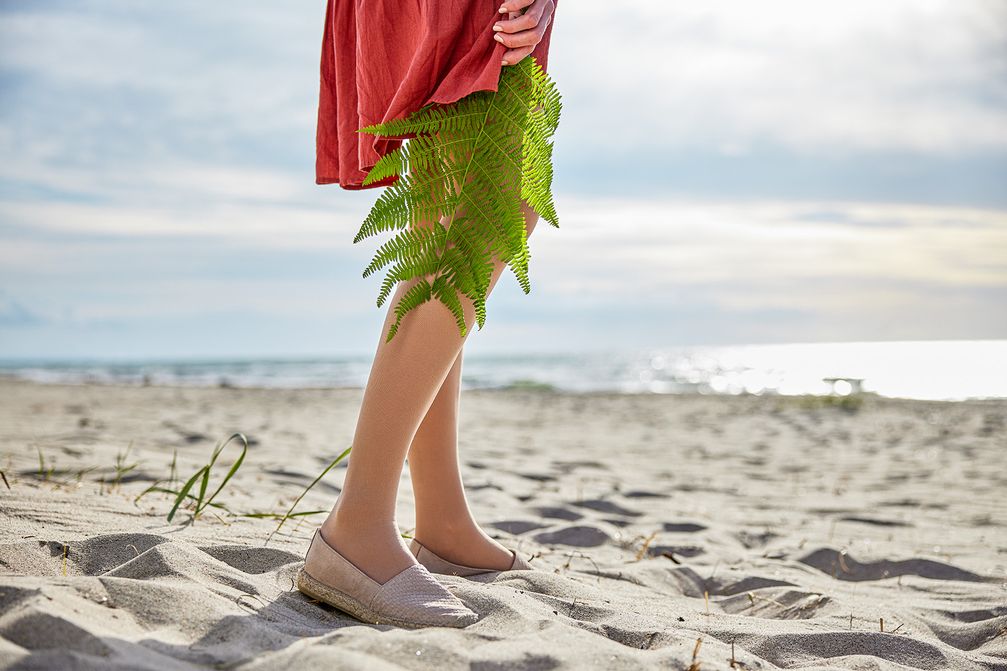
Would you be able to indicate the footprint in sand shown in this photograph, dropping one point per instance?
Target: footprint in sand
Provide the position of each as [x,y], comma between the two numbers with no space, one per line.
[558,513]
[844,567]
[583,536]
[683,527]
[643,494]
[674,551]
[516,527]
[608,507]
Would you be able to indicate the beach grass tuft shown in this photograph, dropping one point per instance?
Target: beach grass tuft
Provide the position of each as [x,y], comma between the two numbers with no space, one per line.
[121,468]
[195,489]
[850,403]
[290,511]
[44,473]
[173,473]
[202,476]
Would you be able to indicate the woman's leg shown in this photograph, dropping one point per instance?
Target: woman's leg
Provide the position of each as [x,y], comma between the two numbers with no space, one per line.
[444,522]
[404,380]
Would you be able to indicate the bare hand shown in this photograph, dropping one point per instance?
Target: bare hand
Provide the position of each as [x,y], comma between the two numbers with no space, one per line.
[522,30]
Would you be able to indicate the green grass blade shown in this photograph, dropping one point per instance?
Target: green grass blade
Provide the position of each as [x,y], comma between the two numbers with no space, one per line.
[290,511]
[234,467]
[185,490]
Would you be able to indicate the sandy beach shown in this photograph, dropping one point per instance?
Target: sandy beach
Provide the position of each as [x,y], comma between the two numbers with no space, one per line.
[667,532]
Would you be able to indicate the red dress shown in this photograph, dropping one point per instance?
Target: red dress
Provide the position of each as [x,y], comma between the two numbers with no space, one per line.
[383,59]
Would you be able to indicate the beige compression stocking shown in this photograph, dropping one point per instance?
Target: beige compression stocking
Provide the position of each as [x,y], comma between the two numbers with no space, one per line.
[405,378]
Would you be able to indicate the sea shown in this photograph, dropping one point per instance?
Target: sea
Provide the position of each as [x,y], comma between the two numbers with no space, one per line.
[930,370]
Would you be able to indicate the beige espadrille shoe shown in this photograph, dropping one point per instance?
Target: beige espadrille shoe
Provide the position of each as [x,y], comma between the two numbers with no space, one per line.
[437,564]
[411,598]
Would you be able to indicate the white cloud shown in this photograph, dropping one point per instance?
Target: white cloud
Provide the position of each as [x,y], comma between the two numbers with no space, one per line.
[272,225]
[919,75]
[197,62]
[776,255]
[607,249]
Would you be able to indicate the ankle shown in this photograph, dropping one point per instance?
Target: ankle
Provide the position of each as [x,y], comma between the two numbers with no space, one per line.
[444,518]
[348,524]
[448,533]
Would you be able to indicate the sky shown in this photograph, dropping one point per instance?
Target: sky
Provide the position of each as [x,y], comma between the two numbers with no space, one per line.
[726,172]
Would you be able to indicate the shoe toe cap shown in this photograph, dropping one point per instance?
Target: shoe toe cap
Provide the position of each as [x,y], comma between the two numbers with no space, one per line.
[459,616]
[417,596]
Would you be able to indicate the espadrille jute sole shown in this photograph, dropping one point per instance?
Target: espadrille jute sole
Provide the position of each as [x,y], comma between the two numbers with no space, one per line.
[344,602]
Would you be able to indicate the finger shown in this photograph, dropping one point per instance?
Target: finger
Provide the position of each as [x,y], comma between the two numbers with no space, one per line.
[526,38]
[519,22]
[512,56]
[514,5]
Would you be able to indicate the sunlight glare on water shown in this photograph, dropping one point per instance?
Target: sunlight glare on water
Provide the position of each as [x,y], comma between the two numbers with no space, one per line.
[924,369]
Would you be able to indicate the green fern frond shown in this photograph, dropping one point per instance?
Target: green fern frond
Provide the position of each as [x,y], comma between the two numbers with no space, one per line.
[405,243]
[470,164]
[447,294]
[417,294]
[406,269]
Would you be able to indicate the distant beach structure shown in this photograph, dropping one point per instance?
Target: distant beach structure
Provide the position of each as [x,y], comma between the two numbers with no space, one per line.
[844,386]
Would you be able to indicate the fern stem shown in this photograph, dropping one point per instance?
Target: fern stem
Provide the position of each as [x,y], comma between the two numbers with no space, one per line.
[472,157]
[461,188]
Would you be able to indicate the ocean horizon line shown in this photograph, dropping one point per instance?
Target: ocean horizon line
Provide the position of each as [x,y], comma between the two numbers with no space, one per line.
[918,369]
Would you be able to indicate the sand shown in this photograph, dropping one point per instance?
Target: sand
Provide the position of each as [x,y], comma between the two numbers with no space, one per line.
[779,532]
